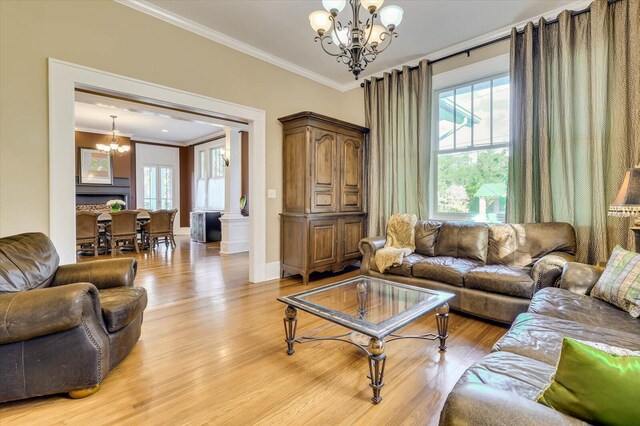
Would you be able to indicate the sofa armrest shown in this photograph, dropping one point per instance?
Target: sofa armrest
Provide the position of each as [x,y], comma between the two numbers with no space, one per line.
[368,248]
[25,315]
[580,278]
[547,270]
[101,273]
[481,405]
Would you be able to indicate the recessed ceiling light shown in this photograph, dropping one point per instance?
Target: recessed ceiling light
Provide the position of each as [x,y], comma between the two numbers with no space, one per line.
[164,131]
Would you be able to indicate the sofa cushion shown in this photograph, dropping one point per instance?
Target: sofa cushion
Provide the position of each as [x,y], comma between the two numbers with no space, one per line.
[510,372]
[121,305]
[523,244]
[463,240]
[426,236]
[540,337]
[27,261]
[445,269]
[406,267]
[501,279]
[559,303]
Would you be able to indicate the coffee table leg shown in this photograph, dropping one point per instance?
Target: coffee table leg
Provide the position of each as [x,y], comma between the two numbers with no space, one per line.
[290,323]
[442,320]
[377,361]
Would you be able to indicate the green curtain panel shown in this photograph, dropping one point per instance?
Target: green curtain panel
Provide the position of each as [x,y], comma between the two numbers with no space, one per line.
[575,121]
[398,115]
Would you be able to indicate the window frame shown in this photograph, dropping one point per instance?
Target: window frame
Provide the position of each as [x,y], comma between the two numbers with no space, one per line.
[435,116]
[158,193]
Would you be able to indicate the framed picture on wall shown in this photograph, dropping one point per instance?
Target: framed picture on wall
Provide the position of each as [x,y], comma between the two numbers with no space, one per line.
[95,167]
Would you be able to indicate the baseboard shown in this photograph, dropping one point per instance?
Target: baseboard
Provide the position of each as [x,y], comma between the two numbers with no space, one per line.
[272,271]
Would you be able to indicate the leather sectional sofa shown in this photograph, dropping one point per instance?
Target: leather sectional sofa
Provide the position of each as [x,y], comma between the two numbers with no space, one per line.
[502,388]
[62,329]
[494,270]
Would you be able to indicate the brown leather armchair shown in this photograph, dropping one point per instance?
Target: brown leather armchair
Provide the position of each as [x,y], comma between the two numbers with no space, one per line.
[62,328]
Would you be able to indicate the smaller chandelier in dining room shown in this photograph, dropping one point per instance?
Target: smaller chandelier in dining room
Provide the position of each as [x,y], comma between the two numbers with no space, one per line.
[113,147]
[357,43]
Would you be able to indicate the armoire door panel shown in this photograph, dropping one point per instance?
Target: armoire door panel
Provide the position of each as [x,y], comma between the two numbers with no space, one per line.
[351,172]
[323,235]
[294,174]
[324,167]
[352,231]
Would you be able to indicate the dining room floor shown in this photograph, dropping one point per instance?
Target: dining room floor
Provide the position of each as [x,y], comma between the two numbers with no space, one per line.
[212,351]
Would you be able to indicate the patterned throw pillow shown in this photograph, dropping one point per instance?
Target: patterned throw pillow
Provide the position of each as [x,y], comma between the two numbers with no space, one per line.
[620,281]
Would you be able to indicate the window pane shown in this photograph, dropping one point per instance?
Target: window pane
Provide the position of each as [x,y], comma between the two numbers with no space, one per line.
[474,183]
[501,110]
[203,166]
[150,176]
[463,118]
[482,113]
[445,120]
[166,186]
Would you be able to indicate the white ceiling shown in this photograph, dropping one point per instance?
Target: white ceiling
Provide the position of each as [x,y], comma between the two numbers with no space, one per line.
[278,31]
[141,122]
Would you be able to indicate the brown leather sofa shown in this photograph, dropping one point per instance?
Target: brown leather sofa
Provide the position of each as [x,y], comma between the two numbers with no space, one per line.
[501,389]
[493,270]
[62,328]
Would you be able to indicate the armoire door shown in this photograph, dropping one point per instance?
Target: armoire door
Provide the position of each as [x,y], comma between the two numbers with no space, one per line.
[324,171]
[351,172]
[323,238]
[351,232]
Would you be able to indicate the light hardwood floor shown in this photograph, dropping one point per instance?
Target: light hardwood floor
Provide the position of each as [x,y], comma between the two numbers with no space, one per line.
[212,351]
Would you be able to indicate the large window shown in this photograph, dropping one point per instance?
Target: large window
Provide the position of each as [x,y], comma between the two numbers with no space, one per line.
[210,171]
[215,186]
[158,187]
[472,150]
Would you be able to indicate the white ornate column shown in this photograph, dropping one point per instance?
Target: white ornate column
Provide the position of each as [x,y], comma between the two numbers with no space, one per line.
[235,227]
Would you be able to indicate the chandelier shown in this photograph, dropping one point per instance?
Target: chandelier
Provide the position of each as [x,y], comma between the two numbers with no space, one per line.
[113,147]
[357,43]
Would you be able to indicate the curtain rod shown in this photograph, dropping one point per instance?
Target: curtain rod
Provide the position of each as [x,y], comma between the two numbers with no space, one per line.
[468,50]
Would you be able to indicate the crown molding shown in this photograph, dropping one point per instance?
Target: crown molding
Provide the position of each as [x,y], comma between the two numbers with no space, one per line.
[101,132]
[218,37]
[475,41]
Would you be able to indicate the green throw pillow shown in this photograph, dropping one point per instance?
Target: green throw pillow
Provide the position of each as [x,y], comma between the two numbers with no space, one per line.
[619,284]
[597,383]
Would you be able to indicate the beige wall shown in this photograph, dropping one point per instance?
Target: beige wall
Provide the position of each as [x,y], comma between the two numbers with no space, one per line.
[111,37]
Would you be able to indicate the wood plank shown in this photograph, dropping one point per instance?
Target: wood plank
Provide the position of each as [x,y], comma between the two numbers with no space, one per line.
[212,351]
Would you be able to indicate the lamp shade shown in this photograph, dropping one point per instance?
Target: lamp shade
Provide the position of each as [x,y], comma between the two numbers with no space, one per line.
[371,5]
[391,16]
[342,37]
[320,21]
[330,5]
[376,34]
[627,202]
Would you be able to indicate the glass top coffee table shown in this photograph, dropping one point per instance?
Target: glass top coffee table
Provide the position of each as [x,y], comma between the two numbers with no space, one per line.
[373,309]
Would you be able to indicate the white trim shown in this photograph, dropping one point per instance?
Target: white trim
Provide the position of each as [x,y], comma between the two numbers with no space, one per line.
[273,271]
[101,132]
[64,77]
[218,37]
[477,71]
[183,231]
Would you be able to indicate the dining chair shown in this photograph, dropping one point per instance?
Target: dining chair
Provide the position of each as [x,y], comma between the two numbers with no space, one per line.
[123,228]
[160,225]
[87,233]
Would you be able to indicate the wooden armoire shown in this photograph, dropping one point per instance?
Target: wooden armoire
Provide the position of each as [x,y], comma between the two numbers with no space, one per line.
[324,196]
